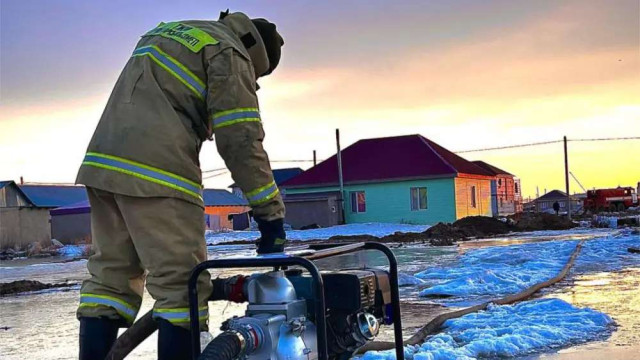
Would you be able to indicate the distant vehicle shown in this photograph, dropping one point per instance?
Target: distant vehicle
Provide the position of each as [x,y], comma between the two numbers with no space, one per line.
[616,199]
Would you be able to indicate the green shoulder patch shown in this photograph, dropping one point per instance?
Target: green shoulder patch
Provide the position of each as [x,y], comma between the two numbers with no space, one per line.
[189,36]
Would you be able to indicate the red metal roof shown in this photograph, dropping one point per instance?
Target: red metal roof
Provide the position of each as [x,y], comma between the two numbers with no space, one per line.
[389,158]
[490,168]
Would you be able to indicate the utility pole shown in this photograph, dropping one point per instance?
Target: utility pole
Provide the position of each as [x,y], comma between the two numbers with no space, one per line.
[566,178]
[314,158]
[340,181]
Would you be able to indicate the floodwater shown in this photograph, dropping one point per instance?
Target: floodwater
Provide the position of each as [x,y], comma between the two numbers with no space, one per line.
[42,325]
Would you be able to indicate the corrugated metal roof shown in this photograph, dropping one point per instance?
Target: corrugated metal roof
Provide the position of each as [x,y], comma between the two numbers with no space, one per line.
[82,207]
[490,168]
[5,183]
[554,195]
[53,196]
[390,158]
[221,197]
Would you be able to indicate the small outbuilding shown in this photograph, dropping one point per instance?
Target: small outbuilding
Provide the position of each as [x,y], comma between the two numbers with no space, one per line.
[72,223]
[21,221]
[220,206]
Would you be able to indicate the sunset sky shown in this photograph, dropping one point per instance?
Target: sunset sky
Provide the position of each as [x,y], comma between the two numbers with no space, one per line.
[466,74]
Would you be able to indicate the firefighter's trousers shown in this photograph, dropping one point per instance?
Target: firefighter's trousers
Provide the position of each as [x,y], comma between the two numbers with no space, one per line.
[159,239]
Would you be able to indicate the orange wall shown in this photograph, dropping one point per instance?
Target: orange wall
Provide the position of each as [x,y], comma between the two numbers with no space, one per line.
[463,197]
[223,212]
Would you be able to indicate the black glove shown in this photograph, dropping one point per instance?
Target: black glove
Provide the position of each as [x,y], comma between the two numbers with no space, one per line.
[272,236]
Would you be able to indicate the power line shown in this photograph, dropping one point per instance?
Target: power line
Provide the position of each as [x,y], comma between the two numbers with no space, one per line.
[214,175]
[510,146]
[213,170]
[548,142]
[290,161]
[608,139]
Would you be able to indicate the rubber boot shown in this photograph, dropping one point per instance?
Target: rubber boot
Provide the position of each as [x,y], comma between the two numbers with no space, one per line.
[97,336]
[174,342]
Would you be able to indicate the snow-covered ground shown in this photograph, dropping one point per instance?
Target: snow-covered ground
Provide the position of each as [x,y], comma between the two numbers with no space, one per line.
[498,270]
[530,326]
[375,229]
[508,331]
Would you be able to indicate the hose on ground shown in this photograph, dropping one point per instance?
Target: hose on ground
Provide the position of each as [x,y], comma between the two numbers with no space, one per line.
[436,324]
[225,346]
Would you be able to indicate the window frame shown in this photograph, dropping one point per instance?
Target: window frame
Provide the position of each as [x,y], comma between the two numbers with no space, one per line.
[473,197]
[353,200]
[418,202]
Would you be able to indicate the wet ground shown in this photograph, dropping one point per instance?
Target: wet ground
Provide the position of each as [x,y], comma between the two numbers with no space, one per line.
[42,325]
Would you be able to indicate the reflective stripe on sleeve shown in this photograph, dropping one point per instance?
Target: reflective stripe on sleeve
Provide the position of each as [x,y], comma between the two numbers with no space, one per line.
[144,172]
[230,117]
[180,315]
[125,310]
[175,68]
[262,194]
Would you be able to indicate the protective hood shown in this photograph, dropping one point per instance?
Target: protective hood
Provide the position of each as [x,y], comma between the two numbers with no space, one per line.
[244,28]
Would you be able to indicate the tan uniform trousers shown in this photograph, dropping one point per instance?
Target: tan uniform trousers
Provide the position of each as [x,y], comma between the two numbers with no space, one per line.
[161,237]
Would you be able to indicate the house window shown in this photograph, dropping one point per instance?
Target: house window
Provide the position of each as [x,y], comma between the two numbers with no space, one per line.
[473,197]
[516,185]
[499,182]
[418,198]
[358,202]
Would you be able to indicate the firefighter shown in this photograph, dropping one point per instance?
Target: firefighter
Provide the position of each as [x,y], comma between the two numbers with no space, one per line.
[184,82]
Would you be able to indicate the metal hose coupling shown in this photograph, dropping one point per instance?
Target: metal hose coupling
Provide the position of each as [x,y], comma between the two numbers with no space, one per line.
[249,337]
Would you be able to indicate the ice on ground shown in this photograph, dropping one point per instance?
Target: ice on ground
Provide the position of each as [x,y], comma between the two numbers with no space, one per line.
[71,250]
[608,253]
[408,280]
[375,229]
[498,270]
[508,331]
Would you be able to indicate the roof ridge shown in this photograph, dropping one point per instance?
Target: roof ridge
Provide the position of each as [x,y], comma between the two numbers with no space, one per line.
[426,142]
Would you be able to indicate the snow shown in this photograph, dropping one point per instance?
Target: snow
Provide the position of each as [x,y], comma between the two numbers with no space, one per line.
[408,280]
[71,250]
[498,270]
[375,229]
[508,331]
[501,270]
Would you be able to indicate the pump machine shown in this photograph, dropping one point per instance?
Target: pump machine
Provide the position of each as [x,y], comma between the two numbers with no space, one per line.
[296,312]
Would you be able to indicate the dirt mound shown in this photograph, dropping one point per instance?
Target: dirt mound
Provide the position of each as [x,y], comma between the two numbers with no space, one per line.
[443,234]
[543,221]
[20,286]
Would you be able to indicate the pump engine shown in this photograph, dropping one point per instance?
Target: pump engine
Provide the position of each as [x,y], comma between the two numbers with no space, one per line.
[279,322]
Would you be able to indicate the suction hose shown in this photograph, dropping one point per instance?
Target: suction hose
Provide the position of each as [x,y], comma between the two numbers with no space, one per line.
[226,346]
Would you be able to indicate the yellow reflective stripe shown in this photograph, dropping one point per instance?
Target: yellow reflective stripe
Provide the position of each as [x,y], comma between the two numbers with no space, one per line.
[262,194]
[135,163]
[174,67]
[144,177]
[175,310]
[180,315]
[234,116]
[227,112]
[95,300]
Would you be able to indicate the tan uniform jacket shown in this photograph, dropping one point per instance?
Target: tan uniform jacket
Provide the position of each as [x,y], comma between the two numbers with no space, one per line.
[184,82]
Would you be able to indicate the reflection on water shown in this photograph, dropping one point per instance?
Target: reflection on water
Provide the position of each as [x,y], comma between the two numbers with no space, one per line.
[616,294]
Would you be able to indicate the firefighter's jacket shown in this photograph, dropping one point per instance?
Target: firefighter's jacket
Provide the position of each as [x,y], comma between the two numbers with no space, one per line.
[185,82]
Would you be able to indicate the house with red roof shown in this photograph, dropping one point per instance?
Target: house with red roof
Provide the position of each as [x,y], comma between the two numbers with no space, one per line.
[506,192]
[401,179]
